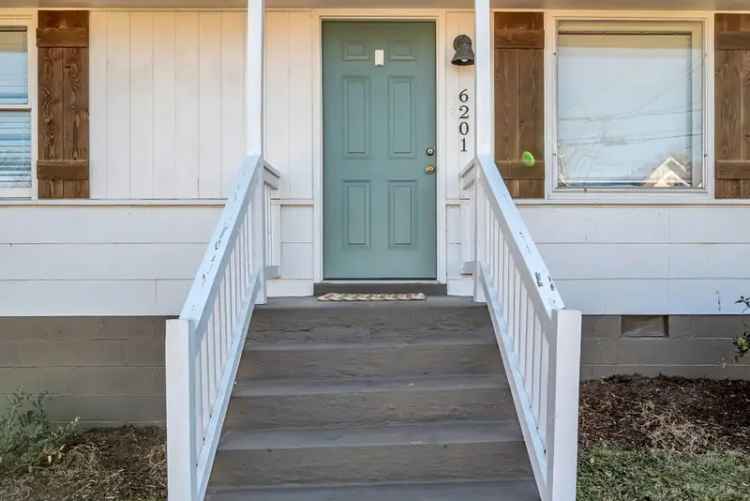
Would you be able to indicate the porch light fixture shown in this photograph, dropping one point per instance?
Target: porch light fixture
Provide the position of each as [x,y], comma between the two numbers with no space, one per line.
[464,52]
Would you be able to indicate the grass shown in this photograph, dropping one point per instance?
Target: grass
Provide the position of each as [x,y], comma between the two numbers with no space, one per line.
[607,474]
[664,439]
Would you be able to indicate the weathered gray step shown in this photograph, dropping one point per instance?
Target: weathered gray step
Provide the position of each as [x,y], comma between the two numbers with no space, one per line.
[509,490]
[300,321]
[259,404]
[462,355]
[423,452]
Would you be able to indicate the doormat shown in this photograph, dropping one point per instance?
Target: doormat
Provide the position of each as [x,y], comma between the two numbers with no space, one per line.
[352,297]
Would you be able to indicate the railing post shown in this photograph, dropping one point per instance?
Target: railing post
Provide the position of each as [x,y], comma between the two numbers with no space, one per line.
[259,234]
[181,451]
[562,460]
[479,234]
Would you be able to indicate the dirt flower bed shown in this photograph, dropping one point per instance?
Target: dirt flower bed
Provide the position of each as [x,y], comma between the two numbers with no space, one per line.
[664,439]
[642,439]
[125,464]
[684,415]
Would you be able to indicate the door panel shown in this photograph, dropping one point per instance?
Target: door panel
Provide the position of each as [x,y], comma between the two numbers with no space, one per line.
[379,201]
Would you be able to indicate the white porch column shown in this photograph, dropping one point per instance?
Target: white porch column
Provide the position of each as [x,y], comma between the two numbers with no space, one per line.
[484,83]
[254,76]
[484,96]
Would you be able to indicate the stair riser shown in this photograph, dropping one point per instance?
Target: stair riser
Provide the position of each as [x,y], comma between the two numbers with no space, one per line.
[515,490]
[363,361]
[337,325]
[398,463]
[370,408]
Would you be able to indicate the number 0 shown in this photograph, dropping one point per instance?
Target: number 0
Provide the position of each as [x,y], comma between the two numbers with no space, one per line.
[463,128]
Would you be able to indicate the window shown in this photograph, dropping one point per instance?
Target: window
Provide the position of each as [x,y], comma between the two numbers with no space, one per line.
[15,113]
[630,105]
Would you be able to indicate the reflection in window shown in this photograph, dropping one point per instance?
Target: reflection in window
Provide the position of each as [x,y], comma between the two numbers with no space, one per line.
[630,105]
[15,113]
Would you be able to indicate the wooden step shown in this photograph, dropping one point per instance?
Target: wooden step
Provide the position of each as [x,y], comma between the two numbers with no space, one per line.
[423,357]
[268,404]
[299,321]
[515,490]
[424,452]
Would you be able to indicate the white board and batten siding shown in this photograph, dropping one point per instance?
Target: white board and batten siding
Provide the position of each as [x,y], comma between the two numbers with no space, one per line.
[167,103]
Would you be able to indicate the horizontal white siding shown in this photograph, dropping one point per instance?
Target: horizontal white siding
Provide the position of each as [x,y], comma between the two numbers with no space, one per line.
[167,103]
[646,260]
[78,261]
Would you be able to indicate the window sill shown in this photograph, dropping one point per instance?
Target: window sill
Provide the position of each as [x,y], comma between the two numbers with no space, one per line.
[603,199]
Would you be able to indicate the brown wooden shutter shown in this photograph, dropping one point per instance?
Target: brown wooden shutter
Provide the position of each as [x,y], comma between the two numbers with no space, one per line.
[519,100]
[63,165]
[733,106]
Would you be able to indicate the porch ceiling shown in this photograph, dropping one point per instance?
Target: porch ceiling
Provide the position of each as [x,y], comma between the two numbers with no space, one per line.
[392,4]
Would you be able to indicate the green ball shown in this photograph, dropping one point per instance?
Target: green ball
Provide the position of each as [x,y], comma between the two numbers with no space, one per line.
[527,158]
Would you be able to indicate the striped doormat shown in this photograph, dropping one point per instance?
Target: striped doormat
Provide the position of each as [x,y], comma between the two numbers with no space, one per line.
[352,297]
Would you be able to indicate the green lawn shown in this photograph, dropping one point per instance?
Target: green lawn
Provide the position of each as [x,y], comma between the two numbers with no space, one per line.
[664,439]
[629,475]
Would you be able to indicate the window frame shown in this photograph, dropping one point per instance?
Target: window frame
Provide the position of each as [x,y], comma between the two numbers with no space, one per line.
[553,19]
[27,20]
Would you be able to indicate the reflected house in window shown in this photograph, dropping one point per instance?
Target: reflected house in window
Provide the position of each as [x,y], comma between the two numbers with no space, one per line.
[670,174]
[629,104]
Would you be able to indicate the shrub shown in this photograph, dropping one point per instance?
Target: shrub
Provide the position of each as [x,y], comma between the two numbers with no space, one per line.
[742,343]
[27,438]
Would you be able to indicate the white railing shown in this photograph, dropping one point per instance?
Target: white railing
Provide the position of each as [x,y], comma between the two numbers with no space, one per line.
[538,338]
[204,346]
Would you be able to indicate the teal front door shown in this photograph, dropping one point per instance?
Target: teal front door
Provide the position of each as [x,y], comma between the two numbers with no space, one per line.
[379,150]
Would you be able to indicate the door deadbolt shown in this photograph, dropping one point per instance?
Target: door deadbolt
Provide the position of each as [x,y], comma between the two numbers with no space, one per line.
[430,151]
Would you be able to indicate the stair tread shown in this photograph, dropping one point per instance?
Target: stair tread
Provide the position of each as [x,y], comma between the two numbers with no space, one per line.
[285,387]
[308,303]
[503,490]
[452,432]
[369,344]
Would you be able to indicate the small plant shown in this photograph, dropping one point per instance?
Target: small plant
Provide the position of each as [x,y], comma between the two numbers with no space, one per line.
[27,438]
[742,343]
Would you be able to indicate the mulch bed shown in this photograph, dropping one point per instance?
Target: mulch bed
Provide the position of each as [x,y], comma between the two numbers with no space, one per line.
[673,414]
[119,464]
[628,413]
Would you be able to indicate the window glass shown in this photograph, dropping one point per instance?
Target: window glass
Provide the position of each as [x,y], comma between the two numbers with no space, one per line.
[14,87]
[15,149]
[15,113]
[630,105]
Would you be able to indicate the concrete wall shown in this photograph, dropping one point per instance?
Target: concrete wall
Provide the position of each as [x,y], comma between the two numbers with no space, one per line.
[106,371]
[689,346]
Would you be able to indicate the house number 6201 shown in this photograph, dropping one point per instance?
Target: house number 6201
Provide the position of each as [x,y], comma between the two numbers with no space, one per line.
[464,115]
